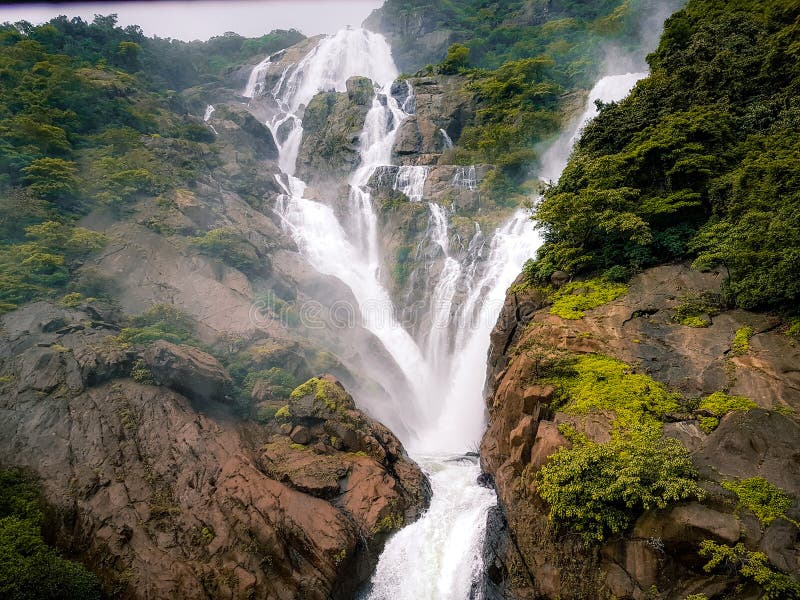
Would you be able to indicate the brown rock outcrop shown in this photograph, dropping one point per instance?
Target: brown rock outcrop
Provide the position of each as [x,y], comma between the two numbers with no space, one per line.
[167,495]
[661,549]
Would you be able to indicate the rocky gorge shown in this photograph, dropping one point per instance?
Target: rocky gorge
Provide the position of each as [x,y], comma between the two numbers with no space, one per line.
[279,371]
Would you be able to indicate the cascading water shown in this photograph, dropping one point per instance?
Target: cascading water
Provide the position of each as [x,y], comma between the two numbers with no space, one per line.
[439,556]
[466,178]
[411,181]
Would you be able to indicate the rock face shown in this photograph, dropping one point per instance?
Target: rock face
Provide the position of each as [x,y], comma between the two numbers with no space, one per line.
[165,492]
[332,125]
[530,560]
[443,106]
[417,35]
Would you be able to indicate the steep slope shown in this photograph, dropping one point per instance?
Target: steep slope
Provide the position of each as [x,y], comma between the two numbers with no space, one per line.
[535,410]
[643,433]
[155,482]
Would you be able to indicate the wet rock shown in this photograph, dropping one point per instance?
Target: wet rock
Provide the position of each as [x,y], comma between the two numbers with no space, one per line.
[754,443]
[688,525]
[548,441]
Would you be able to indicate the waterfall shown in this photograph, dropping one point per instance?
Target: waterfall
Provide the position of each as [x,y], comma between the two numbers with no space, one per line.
[321,238]
[439,413]
[466,178]
[611,88]
[255,83]
[448,143]
[439,556]
[411,181]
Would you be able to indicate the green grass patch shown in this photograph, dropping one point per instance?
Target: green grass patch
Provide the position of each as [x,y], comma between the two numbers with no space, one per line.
[741,340]
[766,501]
[720,404]
[595,382]
[570,301]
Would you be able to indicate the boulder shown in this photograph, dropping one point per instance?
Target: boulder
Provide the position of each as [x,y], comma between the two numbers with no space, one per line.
[187,370]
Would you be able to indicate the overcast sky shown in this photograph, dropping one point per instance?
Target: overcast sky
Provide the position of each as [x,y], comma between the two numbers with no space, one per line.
[202,20]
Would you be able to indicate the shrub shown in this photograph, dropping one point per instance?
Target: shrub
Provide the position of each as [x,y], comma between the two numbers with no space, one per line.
[29,568]
[720,404]
[753,566]
[159,322]
[695,310]
[597,490]
[229,247]
[571,300]
[281,382]
[766,501]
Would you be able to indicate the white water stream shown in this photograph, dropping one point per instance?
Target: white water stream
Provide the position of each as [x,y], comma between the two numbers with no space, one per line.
[439,556]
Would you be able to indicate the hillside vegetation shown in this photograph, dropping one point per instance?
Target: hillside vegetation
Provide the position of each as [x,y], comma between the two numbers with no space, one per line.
[89,117]
[521,60]
[700,162]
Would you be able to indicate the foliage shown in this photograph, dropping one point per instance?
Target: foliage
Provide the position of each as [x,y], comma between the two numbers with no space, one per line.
[404,264]
[597,490]
[141,374]
[159,322]
[597,382]
[571,300]
[719,404]
[701,161]
[229,247]
[281,382]
[766,501]
[741,340]
[29,568]
[43,264]
[753,566]
[695,310]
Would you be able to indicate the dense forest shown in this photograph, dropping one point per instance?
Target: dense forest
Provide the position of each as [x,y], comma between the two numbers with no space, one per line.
[522,59]
[701,162]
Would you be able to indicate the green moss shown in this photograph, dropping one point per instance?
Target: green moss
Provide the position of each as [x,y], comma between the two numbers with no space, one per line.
[297,446]
[598,382]
[323,390]
[207,535]
[340,556]
[752,566]
[29,568]
[74,299]
[570,301]
[597,490]
[793,330]
[741,340]
[766,501]
[720,404]
[283,413]
[390,522]
[141,374]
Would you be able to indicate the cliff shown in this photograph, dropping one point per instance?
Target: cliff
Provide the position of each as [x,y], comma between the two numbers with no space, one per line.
[153,479]
[535,412]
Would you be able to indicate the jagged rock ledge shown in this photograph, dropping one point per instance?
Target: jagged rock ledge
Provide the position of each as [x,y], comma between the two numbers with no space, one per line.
[154,482]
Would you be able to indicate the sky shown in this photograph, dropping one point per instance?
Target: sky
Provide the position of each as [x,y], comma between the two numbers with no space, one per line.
[202,19]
